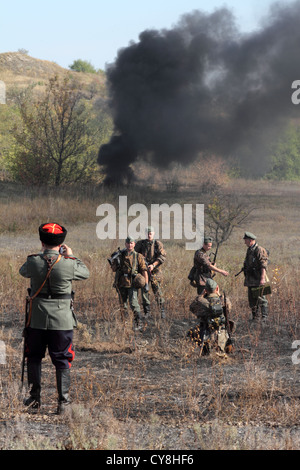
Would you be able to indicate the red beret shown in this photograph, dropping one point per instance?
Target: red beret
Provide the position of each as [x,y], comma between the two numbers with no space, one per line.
[52,228]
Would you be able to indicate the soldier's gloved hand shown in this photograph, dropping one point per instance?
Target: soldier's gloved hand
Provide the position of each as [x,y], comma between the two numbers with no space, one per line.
[146,288]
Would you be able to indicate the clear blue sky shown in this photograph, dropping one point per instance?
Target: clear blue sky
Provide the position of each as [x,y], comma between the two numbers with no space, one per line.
[94,30]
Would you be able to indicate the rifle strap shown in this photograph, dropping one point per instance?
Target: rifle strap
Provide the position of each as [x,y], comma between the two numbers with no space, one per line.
[29,299]
[134,264]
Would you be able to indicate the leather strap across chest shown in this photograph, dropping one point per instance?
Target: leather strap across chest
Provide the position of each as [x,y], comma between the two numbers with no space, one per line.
[30,298]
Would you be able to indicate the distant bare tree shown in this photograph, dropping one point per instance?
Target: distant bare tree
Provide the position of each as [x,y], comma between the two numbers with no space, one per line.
[225,213]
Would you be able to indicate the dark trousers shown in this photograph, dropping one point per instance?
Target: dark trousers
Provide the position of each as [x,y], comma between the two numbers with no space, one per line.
[59,343]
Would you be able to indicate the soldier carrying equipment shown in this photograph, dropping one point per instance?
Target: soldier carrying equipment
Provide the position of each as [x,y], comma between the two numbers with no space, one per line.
[214,328]
[116,256]
[130,275]
[155,255]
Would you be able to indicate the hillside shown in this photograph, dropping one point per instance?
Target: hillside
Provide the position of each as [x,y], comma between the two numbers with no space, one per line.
[21,70]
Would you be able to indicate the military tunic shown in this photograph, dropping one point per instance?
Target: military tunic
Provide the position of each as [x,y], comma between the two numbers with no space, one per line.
[53,313]
[50,320]
[202,265]
[131,263]
[154,252]
[256,259]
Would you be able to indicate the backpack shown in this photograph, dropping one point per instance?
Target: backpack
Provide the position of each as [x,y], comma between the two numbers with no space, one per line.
[215,308]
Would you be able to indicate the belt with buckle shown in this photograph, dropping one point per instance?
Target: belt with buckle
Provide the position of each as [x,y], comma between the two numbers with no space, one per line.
[54,296]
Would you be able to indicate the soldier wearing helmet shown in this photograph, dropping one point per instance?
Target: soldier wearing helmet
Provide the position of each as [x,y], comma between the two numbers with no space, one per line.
[131,274]
[211,330]
[155,255]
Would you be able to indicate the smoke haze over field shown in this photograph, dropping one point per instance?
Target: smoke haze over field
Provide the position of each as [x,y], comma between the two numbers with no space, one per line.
[203,88]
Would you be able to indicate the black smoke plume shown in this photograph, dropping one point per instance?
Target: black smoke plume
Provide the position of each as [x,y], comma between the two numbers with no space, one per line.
[203,88]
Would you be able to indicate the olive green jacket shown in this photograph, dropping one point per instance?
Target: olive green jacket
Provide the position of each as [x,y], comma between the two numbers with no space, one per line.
[256,260]
[53,313]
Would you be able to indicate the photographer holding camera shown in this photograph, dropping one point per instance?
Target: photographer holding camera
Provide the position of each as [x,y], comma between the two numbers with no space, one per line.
[50,318]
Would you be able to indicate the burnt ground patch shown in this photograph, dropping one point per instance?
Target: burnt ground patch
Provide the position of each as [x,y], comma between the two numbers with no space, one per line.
[151,389]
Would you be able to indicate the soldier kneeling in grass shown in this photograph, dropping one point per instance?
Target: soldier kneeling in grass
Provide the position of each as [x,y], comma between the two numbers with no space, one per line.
[214,328]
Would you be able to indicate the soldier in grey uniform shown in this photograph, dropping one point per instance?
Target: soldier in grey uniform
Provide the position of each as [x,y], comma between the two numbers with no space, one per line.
[255,269]
[51,317]
[155,255]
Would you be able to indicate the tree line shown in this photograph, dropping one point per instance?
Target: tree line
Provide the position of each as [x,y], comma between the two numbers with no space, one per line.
[53,137]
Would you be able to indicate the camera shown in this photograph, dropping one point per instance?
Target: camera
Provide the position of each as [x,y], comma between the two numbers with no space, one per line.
[116,256]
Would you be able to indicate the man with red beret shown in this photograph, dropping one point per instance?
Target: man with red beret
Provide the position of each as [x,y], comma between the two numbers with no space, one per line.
[51,318]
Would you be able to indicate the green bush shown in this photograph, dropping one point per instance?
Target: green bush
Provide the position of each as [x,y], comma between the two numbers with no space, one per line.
[80,65]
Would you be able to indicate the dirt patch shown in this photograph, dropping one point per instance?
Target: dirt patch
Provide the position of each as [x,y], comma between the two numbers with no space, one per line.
[151,390]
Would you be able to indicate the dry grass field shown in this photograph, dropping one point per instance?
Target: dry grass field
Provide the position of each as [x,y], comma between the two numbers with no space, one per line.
[150,389]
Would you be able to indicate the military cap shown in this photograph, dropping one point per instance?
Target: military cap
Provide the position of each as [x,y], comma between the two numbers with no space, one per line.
[150,229]
[249,235]
[208,239]
[130,239]
[52,234]
[211,285]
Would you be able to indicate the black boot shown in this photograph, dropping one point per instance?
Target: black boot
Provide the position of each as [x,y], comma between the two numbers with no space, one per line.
[147,311]
[138,322]
[254,313]
[264,313]
[34,371]
[63,381]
